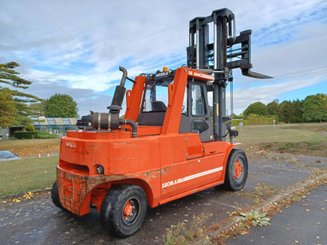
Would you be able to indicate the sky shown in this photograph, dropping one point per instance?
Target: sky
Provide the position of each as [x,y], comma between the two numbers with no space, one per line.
[76,47]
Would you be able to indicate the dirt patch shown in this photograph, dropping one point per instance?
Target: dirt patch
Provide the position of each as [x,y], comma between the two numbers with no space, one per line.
[16,199]
[31,148]
[298,148]
[317,127]
[262,192]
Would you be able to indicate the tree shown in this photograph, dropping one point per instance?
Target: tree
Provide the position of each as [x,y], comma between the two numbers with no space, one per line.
[296,111]
[37,109]
[9,78]
[257,108]
[60,105]
[284,111]
[272,108]
[291,111]
[7,108]
[315,108]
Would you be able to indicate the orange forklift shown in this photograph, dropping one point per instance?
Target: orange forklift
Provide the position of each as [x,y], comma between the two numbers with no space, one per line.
[169,143]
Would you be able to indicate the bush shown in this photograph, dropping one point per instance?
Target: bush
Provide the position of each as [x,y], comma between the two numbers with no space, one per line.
[257,108]
[25,134]
[253,119]
[34,135]
[29,127]
[236,122]
[45,135]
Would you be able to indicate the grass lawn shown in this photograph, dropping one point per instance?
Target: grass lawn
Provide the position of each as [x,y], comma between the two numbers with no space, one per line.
[31,147]
[20,176]
[310,139]
[29,174]
[282,133]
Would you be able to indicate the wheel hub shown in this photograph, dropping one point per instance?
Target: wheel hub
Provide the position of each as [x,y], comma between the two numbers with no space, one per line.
[130,211]
[238,169]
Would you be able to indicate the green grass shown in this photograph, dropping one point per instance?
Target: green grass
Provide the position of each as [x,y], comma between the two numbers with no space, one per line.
[282,133]
[29,174]
[20,176]
[45,135]
[304,139]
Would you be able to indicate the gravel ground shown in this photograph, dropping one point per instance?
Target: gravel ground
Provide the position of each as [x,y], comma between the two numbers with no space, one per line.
[38,221]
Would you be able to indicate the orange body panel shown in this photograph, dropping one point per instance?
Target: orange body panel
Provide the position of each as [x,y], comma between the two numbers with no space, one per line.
[165,163]
[133,99]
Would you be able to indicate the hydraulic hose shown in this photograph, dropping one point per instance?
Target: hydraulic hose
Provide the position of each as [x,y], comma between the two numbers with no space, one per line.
[131,123]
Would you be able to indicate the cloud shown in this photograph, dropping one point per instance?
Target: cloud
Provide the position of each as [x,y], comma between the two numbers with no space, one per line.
[294,65]
[77,46]
[86,99]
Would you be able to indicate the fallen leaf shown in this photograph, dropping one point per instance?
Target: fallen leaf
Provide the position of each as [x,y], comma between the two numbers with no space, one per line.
[16,200]
[244,232]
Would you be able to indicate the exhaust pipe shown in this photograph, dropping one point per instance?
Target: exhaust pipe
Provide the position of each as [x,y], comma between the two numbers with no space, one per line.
[111,120]
[107,121]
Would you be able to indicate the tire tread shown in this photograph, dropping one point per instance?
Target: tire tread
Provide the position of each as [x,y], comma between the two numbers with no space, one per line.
[229,183]
[110,209]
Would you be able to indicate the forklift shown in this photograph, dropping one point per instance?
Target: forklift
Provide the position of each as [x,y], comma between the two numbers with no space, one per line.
[168,144]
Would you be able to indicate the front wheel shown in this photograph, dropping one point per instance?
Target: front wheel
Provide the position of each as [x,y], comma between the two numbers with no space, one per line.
[123,210]
[237,170]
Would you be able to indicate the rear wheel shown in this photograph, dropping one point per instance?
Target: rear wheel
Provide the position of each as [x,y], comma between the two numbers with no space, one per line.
[55,196]
[237,170]
[123,210]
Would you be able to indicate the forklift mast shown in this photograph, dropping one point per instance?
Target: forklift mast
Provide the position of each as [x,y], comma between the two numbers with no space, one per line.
[226,53]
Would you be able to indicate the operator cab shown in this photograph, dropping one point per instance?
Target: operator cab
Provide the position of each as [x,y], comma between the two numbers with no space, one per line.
[154,102]
[195,112]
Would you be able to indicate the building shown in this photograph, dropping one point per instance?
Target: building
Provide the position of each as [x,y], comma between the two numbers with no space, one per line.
[54,124]
[4,133]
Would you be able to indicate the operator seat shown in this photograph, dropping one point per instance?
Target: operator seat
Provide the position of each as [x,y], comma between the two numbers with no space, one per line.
[158,106]
[155,117]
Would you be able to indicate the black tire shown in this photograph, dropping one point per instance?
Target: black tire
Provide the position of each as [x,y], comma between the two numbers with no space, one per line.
[236,170]
[55,196]
[112,215]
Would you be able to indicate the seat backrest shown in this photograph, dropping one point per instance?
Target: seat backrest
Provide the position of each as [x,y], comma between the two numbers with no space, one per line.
[158,106]
[151,118]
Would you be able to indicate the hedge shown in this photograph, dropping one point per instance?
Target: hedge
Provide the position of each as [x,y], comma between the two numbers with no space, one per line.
[255,120]
[25,134]
[45,135]
[34,135]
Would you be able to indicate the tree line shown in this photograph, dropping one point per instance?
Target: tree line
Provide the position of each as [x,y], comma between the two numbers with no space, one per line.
[17,107]
[312,109]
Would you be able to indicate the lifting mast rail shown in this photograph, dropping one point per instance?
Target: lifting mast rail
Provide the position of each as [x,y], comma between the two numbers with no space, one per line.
[220,58]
